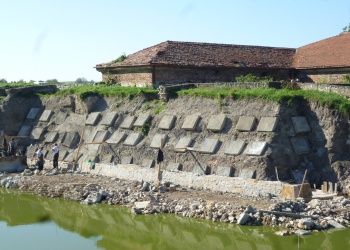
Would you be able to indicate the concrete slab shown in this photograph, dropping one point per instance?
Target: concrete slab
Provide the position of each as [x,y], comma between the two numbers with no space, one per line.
[107,158]
[127,160]
[101,136]
[209,146]
[247,173]
[33,113]
[255,148]
[224,171]
[234,147]
[174,166]
[300,144]
[128,122]
[51,137]
[201,170]
[267,124]
[142,120]
[167,122]
[109,119]
[190,122]
[37,132]
[246,123]
[31,151]
[300,124]
[148,163]
[70,140]
[132,139]
[157,139]
[24,131]
[61,117]
[46,115]
[184,142]
[93,118]
[116,137]
[62,155]
[216,123]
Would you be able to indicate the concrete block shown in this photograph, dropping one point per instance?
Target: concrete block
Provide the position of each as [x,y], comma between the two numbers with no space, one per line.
[184,142]
[300,124]
[51,137]
[70,139]
[246,123]
[300,144]
[24,131]
[31,151]
[216,123]
[291,192]
[224,171]
[255,148]
[267,124]
[190,122]
[127,160]
[201,170]
[107,158]
[46,115]
[62,155]
[209,146]
[247,173]
[116,137]
[142,120]
[37,132]
[234,147]
[128,122]
[33,113]
[167,122]
[157,139]
[61,117]
[93,118]
[101,136]
[148,163]
[109,118]
[132,139]
[174,166]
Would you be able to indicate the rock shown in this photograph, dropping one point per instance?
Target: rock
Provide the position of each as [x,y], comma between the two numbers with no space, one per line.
[307,224]
[302,232]
[335,224]
[93,198]
[243,218]
[345,202]
[249,210]
[141,204]
[283,233]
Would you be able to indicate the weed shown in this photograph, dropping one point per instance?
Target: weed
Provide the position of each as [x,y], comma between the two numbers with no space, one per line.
[145,129]
[159,109]
[252,78]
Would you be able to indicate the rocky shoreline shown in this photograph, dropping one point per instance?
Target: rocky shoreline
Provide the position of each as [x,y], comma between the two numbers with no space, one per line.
[144,198]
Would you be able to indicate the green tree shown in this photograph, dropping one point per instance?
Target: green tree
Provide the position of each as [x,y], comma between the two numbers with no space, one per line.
[3,80]
[81,80]
[52,81]
[346,29]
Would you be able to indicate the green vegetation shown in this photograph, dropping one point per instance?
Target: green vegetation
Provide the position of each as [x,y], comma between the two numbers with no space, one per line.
[121,58]
[15,85]
[252,78]
[145,129]
[346,79]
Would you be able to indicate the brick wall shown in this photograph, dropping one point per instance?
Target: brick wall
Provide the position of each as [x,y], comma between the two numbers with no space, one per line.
[322,75]
[140,77]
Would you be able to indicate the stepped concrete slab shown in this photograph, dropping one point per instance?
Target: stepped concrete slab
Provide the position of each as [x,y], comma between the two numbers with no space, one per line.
[31,151]
[93,118]
[148,163]
[300,124]
[46,115]
[246,173]
[107,158]
[157,141]
[62,155]
[116,137]
[132,139]
[101,136]
[70,139]
[109,118]
[190,122]
[61,117]
[24,131]
[255,148]
[216,123]
[128,122]
[300,144]
[201,170]
[224,171]
[234,147]
[167,122]
[174,166]
[267,124]
[209,146]
[127,160]
[33,113]
[184,142]
[51,137]
[37,132]
[246,123]
[142,120]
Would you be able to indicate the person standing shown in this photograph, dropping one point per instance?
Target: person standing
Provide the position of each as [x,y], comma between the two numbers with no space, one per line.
[56,151]
[12,147]
[40,155]
[4,147]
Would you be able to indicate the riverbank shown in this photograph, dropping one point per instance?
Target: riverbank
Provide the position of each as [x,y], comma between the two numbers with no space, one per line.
[145,198]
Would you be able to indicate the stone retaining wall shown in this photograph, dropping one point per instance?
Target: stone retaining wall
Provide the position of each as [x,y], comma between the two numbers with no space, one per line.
[341,89]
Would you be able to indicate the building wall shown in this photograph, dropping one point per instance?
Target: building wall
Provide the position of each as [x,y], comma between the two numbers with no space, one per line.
[322,75]
[139,77]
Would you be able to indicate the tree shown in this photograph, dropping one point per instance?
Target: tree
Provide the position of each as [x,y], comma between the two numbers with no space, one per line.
[346,29]
[81,80]
[52,81]
[3,80]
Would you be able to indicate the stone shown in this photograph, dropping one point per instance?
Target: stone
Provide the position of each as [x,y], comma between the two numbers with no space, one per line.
[184,142]
[61,117]
[234,147]
[24,131]
[246,123]
[174,166]
[142,120]
[142,204]
[300,144]
[157,139]
[209,146]
[201,170]
[101,136]
[51,137]
[190,122]
[132,139]
[93,118]
[107,158]
[216,123]
[246,173]
[167,122]
[128,122]
[302,232]
[33,113]
[109,119]
[243,219]
[63,153]
[300,124]
[45,116]
[116,137]
[31,151]
[224,171]
[70,139]
[267,124]
[127,160]
[255,148]
[37,132]
[148,163]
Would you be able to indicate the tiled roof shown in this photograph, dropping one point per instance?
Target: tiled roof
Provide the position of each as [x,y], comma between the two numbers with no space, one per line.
[328,53]
[208,55]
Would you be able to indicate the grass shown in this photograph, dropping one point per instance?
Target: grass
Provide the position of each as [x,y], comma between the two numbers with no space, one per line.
[15,85]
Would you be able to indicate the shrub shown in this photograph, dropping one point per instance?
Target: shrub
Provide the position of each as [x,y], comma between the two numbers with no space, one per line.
[252,78]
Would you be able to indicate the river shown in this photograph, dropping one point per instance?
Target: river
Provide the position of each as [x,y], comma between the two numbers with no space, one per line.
[32,222]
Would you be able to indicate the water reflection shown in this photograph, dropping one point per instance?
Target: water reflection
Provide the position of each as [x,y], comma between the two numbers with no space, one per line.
[114,227]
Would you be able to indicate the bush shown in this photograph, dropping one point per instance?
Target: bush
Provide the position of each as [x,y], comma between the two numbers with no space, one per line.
[252,78]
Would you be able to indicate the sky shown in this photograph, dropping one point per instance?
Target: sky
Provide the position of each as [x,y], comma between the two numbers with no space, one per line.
[65,39]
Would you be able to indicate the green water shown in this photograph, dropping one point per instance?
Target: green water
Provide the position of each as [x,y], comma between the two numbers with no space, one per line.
[31,222]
